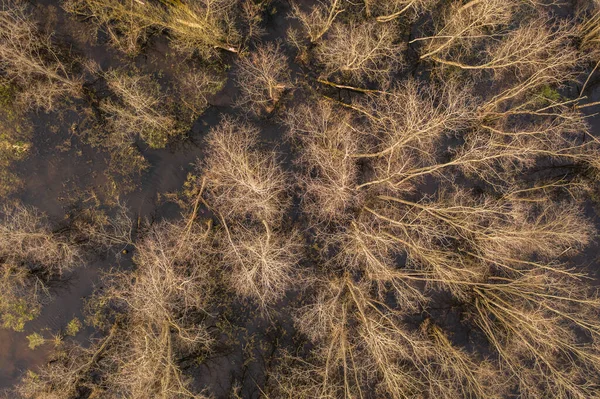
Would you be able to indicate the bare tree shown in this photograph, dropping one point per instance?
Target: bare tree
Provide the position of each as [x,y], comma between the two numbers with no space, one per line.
[152,317]
[436,218]
[320,18]
[360,52]
[263,76]
[462,246]
[362,346]
[465,26]
[126,22]
[386,11]
[169,291]
[493,136]
[526,320]
[460,374]
[31,61]
[201,26]
[534,45]
[262,262]
[104,229]
[193,87]
[139,108]
[31,254]
[247,190]
[514,229]
[243,180]
[408,124]
[330,170]
[590,33]
[454,242]
[27,239]
[58,379]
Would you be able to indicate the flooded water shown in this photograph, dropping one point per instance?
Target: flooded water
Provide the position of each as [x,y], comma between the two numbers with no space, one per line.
[66,303]
[62,166]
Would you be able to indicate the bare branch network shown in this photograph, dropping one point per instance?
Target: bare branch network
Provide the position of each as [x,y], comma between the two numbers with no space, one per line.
[418,221]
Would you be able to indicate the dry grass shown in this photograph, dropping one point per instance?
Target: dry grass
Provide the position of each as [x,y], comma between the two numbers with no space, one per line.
[15,136]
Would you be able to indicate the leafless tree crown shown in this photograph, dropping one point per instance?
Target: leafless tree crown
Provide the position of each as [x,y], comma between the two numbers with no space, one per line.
[263,76]
[30,59]
[421,235]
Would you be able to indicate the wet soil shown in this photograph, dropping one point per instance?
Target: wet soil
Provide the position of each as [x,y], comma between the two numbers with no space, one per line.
[62,166]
